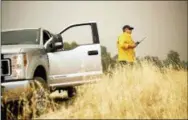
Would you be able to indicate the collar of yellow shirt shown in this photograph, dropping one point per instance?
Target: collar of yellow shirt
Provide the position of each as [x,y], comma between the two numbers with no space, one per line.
[127,34]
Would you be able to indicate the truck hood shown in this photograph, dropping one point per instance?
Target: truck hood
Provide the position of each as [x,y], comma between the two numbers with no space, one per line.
[7,49]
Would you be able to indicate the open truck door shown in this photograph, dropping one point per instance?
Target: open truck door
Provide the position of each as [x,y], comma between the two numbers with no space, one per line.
[75,65]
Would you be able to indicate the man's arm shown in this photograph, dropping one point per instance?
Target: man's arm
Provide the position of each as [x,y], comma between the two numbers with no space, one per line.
[132,45]
[125,44]
[121,42]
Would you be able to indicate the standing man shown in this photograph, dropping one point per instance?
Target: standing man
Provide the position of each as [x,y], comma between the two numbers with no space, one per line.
[126,53]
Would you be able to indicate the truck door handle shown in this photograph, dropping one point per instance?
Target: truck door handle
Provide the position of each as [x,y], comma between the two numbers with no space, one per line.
[93,52]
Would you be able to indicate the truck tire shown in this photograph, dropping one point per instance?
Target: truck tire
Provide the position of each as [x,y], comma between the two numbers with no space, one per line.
[39,98]
[6,114]
[71,91]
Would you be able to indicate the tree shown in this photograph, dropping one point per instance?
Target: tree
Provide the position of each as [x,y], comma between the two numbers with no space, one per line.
[173,59]
[107,61]
[69,46]
[66,46]
[184,65]
[155,60]
[73,45]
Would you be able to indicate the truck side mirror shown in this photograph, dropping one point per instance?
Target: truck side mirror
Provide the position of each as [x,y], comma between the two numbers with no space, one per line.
[59,38]
[54,43]
[58,42]
[48,44]
[58,45]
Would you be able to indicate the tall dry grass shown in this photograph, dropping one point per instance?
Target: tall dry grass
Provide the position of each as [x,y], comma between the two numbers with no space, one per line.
[138,92]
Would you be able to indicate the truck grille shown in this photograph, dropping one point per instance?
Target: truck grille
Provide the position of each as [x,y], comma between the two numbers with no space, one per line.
[5,66]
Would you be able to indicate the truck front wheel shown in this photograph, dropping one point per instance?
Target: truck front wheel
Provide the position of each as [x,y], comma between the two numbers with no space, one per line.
[39,98]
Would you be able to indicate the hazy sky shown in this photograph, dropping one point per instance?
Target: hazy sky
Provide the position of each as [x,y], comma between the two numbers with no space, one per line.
[164,23]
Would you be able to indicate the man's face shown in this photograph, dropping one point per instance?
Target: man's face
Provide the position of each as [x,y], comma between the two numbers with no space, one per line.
[128,31]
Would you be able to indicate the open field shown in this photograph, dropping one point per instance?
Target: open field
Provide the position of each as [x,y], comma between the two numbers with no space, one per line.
[138,92]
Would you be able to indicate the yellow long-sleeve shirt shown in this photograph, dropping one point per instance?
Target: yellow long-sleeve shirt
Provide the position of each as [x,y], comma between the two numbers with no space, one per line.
[125,53]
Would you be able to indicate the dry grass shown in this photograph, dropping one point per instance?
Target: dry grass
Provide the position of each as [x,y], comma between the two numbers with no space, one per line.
[138,92]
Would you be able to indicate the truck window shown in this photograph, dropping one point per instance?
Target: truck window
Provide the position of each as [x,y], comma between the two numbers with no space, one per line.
[77,36]
[46,36]
[26,36]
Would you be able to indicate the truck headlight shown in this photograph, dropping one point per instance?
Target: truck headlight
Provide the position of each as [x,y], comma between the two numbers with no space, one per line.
[19,62]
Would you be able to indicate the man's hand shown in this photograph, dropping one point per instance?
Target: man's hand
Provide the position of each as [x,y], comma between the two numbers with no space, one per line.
[131,46]
[137,43]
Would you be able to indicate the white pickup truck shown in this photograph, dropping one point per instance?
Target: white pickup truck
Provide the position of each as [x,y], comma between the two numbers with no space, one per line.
[37,54]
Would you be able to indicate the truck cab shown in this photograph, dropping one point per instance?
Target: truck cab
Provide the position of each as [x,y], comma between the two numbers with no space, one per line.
[28,54]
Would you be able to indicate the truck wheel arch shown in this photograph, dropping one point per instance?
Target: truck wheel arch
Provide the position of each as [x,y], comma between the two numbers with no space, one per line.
[40,72]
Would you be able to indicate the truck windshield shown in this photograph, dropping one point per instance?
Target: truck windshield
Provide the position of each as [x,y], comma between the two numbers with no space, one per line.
[27,36]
